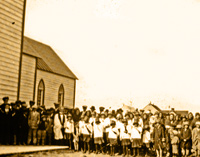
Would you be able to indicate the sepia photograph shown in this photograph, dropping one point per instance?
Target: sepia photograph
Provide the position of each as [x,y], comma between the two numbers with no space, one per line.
[100,78]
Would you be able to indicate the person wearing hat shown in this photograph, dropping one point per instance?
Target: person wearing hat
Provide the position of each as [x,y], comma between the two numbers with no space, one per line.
[49,127]
[196,139]
[69,129]
[16,123]
[33,122]
[84,107]
[42,127]
[92,109]
[101,109]
[6,119]
[185,136]
[5,101]
[56,108]
[158,137]
[59,121]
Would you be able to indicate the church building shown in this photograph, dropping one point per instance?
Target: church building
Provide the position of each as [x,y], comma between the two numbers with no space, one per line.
[30,70]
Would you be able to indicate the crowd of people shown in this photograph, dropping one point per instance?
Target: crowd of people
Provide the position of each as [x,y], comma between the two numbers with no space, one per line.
[107,131]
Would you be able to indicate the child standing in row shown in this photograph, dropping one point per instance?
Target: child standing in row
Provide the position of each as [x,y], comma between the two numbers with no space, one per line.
[136,132]
[76,135]
[69,129]
[87,132]
[98,135]
[112,136]
[125,136]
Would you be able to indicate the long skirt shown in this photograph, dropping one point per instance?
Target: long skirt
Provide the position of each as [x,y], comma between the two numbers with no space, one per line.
[86,138]
[125,142]
[136,143]
[98,140]
[113,141]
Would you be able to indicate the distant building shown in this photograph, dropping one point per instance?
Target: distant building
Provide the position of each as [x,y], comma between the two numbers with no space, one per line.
[153,108]
[30,70]
[175,112]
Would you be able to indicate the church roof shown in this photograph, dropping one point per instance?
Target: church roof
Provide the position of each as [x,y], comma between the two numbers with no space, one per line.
[47,60]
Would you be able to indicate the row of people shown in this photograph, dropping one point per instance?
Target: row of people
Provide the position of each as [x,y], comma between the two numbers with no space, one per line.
[107,131]
[130,133]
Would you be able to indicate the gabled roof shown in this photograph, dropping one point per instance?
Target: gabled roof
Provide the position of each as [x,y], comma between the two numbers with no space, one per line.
[152,105]
[48,60]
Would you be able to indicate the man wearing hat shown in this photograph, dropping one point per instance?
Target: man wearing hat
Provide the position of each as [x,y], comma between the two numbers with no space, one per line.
[6,117]
[16,122]
[196,139]
[31,104]
[5,102]
[56,110]
[59,121]
[92,108]
[84,111]
[33,122]
[101,109]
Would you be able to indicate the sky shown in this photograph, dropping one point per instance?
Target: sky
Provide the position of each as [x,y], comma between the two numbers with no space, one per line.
[124,51]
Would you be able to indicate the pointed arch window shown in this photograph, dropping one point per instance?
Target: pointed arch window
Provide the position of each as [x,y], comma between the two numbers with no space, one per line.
[61,95]
[40,94]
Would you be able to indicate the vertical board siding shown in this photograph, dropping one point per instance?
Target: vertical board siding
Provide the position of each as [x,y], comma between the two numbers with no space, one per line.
[27,78]
[52,83]
[11,20]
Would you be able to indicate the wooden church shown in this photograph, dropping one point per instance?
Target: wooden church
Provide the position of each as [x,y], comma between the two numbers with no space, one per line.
[30,70]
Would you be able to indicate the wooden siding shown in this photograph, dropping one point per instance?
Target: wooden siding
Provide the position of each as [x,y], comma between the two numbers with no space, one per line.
[52,83]
[27,78]
[11,22]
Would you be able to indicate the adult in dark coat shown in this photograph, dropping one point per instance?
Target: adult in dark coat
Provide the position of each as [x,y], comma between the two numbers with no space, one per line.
[158,137]
[2,108]
[6,125]
[23,122]
[15,123]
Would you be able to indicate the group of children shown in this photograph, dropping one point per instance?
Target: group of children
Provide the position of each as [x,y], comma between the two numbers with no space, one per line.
[134,134]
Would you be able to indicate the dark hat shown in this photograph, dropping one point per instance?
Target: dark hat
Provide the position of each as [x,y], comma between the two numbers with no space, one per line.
[92,108]
[56,104]
[31,102]
[124,121]
[101,108]
[112,122]
[5,98]
[24,104]
[13,104]
[84,107]
[18,102]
